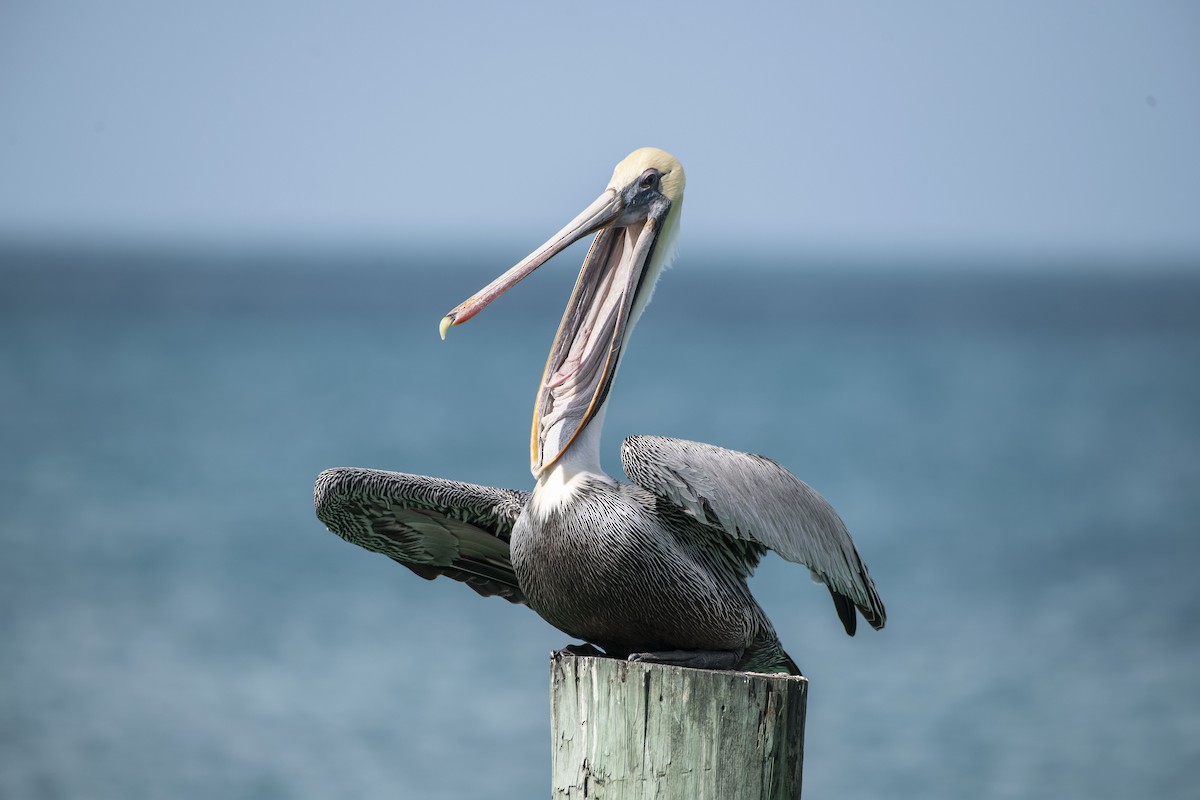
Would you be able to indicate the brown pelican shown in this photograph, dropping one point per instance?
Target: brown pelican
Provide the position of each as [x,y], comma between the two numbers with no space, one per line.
[653,570]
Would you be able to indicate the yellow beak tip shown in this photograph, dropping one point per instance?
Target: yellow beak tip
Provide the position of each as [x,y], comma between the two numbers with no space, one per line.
[444,325]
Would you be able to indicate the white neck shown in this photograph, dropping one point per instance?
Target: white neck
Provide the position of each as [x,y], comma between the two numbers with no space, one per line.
[579,462]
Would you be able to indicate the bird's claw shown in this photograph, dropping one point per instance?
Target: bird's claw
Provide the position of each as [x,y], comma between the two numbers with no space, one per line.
[585,649]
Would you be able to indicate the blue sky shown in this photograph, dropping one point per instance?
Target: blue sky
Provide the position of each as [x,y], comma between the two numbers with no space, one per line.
[1043,127]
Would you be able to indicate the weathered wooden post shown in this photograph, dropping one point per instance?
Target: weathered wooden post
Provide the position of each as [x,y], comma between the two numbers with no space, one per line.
[622,729]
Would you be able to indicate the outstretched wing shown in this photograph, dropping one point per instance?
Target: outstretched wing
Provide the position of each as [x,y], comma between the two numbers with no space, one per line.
[754,499]
[430,525]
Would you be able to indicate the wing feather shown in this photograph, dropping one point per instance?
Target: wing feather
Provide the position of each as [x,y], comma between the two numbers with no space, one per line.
[432,526]
[752,498]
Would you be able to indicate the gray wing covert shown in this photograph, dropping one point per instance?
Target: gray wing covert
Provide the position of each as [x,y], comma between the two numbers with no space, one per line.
[752,498]
[432,526]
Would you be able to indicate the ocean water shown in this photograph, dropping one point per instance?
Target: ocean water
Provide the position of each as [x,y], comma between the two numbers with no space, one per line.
[1016,451]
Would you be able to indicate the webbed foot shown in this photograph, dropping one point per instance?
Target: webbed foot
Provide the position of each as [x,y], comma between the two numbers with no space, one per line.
[696,659]
[585,649]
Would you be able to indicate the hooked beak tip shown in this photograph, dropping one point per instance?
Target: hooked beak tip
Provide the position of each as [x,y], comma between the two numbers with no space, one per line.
[445,324]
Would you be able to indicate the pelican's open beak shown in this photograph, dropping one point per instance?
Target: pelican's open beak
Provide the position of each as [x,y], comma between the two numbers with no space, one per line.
[600,213]
[583,359]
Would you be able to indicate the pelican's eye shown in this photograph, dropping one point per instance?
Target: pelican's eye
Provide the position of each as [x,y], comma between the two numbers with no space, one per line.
[649,178]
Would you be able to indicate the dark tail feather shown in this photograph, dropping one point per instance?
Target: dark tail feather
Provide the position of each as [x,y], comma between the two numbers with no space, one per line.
[846,612]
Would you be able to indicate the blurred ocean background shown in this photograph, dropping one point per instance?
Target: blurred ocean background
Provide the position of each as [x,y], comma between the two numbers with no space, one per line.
[942,260]
[1015,447]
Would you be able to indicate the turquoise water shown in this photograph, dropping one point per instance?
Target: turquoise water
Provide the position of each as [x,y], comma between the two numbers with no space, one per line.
[1017,453]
